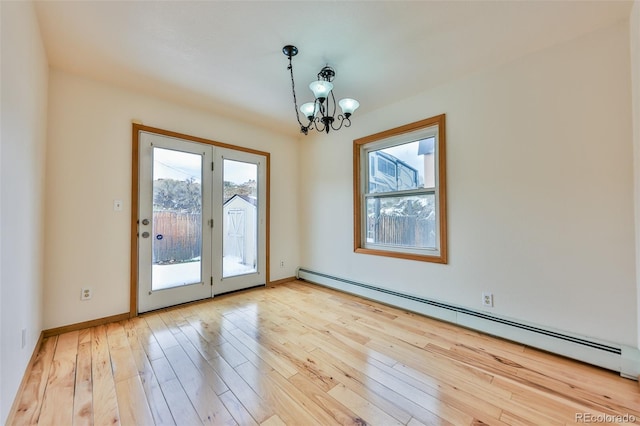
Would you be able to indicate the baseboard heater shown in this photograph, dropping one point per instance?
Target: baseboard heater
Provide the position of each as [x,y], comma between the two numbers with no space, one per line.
[620,358]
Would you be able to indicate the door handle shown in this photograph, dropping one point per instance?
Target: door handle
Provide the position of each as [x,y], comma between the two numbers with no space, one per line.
[145,235]
[145,221]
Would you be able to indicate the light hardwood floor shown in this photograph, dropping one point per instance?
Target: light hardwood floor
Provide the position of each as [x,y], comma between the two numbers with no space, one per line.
[300,354]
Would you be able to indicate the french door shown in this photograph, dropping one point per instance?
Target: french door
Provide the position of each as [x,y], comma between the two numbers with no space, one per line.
[201,224]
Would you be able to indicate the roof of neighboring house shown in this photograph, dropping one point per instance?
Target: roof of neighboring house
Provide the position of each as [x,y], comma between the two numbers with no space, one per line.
[251,200]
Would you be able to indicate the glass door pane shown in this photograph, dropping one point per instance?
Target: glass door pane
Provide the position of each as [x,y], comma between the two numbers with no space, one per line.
[177,219]
[240,218]
[174,223]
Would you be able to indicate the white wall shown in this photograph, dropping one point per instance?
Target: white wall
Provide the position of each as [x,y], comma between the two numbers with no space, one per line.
[89,165]
[540,188]
[22,153]
[634,36]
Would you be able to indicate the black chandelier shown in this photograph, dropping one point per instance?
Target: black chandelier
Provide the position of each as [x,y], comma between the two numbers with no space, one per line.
[321,113]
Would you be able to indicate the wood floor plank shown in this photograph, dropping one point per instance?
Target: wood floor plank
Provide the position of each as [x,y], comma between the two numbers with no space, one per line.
[320,404]
[415,422]
[83,393]
[485,394]
[290,358]
[292,331]
[156,401]
[232,355]
[105,402]
[366,411]
[337,408]
[274,420]
[347,337]
[591,381]
[206,330]
[252,355]
[208,349]
[266,353]
[162,334]
[307,367]
[201,340]
[130,393]
[391,402]
[537,379]
[203,398]
[147,339]
[173,319]
[237,410]
[181,407]
[409,392]
[433,365]
[259,409]
[288,406]
[132,402]
[122,363]
[298,354]
[481,408]
[57,406]
[30,401]
[207,373]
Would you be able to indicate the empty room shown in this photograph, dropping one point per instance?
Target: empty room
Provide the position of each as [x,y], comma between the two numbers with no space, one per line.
[318,213]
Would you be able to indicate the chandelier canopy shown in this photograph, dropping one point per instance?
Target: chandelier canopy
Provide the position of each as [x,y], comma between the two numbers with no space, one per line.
[321,113]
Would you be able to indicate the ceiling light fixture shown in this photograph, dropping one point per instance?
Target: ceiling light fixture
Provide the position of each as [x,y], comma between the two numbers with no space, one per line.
[321,113]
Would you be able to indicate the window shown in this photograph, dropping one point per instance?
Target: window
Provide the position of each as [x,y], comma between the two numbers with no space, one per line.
[399,192]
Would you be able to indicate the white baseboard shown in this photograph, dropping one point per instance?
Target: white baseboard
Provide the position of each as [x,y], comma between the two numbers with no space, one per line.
[612,356]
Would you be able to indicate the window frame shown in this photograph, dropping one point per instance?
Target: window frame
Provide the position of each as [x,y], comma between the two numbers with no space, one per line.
[392,137]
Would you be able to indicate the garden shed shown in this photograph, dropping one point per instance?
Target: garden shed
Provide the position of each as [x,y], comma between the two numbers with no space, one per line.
[239,213]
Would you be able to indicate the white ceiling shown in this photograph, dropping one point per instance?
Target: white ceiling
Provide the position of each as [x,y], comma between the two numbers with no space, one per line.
[227,56]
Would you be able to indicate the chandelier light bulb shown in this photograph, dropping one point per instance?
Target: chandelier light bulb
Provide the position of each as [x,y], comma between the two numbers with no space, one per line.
[309,110]
[321,89]
[348,106]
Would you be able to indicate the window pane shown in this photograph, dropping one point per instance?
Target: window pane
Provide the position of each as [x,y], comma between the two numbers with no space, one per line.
[426,150]
[402,167]
[402,221]
[177,218]
[240,218]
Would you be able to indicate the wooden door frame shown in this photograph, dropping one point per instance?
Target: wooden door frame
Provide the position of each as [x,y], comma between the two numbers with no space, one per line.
[135,167]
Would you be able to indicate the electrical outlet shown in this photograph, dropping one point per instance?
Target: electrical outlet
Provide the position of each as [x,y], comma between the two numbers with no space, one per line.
[86,294]
[117,205]
[282,263]
[487,300]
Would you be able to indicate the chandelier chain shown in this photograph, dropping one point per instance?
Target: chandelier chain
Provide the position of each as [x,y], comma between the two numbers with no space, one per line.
[303,129]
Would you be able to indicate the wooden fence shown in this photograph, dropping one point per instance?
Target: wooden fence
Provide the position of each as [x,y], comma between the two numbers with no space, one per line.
[181,236]
[403,231]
